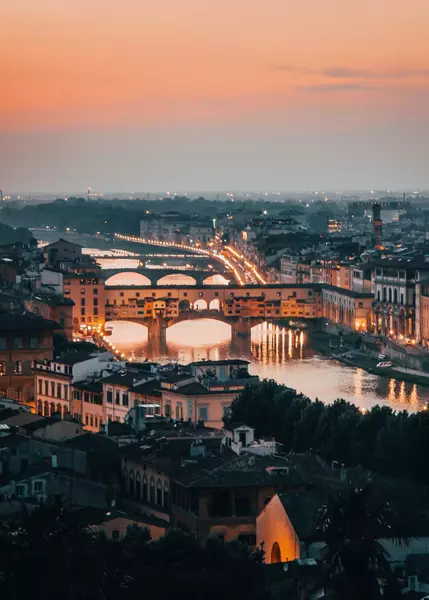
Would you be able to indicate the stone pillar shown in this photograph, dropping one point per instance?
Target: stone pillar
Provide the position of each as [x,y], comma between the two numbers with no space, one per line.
[157,336]
[241,330]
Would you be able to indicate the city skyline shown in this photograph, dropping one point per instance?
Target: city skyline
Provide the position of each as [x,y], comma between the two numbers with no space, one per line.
[195,96]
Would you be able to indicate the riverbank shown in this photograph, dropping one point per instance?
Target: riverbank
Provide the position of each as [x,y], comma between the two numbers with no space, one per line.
[344,350]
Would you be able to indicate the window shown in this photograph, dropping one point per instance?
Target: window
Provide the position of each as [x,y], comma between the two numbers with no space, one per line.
[82,312]
[109,396]
[82,301]
[166,494]
[159,492]
[82,291]
[115,534]
[203,413]
[38,487]
[226,411]
[124,399]
[18,367]
[86,419]
[52,389]
[34,341]
[59,390]
[17,342]
[95,301]
[66,392]
[3,369]
[2,343]
[152,491]
[117,398]
[20,490]
[40,384]
[95,311]
[179,411]
[121,294]
[95,291]
[91,421]
[46,387]
[168,410]
[86,396]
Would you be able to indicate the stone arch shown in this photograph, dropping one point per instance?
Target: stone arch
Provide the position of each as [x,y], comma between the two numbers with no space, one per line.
[159,492]
[152,490]
[131,482]
[216,279]
[144,488]
[138,486]
[215,304]
[276,555]
[177,279]
[184,305]
[128,278]
[200,304]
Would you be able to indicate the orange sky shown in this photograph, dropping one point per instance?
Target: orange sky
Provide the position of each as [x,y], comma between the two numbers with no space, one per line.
[306,66]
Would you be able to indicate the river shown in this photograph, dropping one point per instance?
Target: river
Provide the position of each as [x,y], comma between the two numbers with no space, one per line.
[278,354]
[274,353]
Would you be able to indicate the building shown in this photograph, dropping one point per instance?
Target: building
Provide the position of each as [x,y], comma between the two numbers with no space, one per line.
[200,233]
[54,307]
[88,294]
[347,309]
[201,485]
[61,251]
[394,287]
[55,382]
[117,392]
[24,339]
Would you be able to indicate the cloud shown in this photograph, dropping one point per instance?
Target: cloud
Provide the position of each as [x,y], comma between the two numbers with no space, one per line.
[338,87]
[342,72]
[350,73]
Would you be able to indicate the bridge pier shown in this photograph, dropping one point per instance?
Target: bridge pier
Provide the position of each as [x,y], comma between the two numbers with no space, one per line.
[241,330]
[157,336]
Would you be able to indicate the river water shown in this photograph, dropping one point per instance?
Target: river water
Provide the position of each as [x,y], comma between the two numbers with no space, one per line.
[274,353]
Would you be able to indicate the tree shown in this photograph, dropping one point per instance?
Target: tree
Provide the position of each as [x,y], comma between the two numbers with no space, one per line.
[351,524]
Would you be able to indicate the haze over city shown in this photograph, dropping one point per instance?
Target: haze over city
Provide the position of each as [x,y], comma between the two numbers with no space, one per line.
[136,95]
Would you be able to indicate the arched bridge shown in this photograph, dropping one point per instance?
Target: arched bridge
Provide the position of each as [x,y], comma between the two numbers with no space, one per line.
[153,277]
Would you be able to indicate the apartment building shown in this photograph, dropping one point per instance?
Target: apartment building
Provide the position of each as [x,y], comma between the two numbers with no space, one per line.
[88,295]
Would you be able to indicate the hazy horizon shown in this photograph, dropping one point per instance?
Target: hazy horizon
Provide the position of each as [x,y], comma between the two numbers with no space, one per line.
[196,95]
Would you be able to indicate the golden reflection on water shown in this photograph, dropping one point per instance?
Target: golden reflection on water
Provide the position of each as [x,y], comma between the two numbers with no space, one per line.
[275,353]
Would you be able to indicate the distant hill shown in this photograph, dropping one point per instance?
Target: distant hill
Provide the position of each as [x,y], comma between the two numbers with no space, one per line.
[9,235]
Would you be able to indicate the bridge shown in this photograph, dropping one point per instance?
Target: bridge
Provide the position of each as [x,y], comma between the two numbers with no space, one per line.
[241,307]
[154,277]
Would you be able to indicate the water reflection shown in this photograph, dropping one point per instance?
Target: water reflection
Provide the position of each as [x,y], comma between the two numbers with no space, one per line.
[275,353]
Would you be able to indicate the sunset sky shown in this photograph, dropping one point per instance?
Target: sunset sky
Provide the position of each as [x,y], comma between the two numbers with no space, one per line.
[125,95]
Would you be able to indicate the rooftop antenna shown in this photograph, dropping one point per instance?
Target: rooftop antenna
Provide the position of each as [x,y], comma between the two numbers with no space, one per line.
[88,194]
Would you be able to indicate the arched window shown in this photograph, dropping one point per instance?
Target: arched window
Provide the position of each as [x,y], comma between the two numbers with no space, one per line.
[395,296]
[52,408]
[276,556]
[125,479]
[18,367]
[40,407]
[159,492]
[3,368]
[378,295]
[179,411]
[384,294]
[131,486]
[152,491]
[144,489]
[138,486]
[46,408]
[59,409]
[390,294]
[166,495]
[168,410]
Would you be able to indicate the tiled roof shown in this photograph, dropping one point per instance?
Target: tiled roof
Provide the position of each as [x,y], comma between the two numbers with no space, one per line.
[26,322]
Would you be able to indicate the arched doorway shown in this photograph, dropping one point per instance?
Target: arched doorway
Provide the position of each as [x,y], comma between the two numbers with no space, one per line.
[200,304]
[276,556]
[184,305]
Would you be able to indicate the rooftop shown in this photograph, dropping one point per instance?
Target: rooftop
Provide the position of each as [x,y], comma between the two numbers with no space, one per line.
[26,322]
